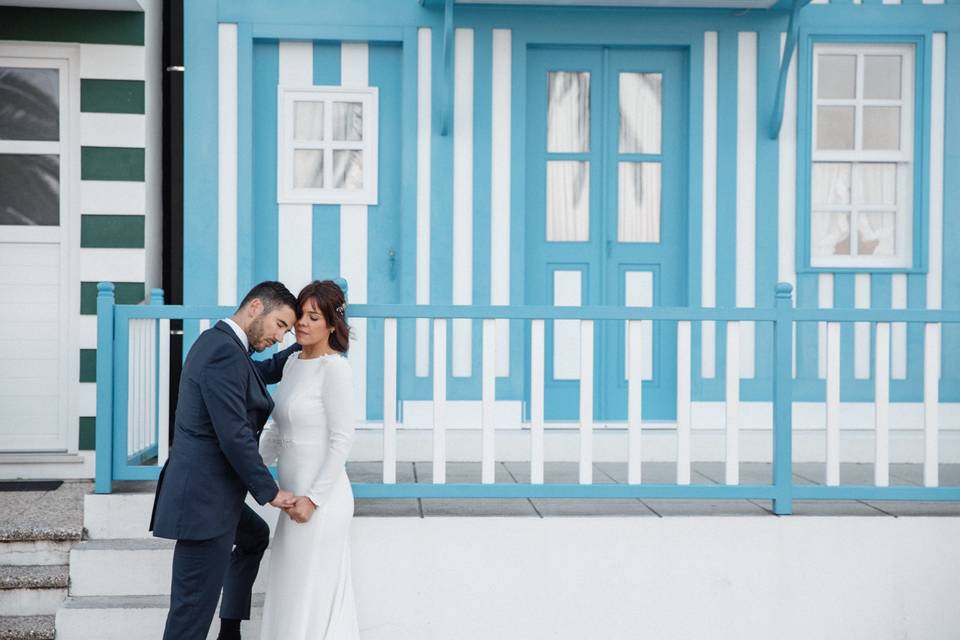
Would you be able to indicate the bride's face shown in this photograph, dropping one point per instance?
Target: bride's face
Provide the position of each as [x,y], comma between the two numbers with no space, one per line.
[311,327]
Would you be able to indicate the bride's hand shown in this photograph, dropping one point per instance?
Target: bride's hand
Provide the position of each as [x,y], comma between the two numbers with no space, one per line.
[302,509]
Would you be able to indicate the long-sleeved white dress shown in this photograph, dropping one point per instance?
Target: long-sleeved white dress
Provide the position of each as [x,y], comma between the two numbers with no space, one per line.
[309,586]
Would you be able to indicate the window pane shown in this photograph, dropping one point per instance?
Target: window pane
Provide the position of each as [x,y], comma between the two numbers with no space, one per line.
[29,189]
[835,127]
[308,169]
[568,201]
[639,202]
[831,183]
[876,183]
[568,112]
[875,233]
[830,233]
[881,77]
[29,104]
[640,104]
[836,76]
[308,120]
[348,121]
[348,169]
[881,127]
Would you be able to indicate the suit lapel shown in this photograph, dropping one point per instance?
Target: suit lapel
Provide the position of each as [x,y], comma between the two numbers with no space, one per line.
[224,327]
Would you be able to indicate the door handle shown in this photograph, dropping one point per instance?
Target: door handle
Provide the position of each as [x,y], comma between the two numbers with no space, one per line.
[609,248]
[392,258]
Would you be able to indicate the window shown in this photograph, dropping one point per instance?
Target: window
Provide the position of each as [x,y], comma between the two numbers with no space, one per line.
[327,145]
[861,178]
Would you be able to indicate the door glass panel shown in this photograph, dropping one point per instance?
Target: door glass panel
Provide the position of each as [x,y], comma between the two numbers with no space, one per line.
[875,233]
[881,77]
[836,76]
[881,128]
[640,112]
[29,189]
[638,292]
[830,233]
[308,120]
[876,183]
[568,201]
[831,183]
[568,112]
[348,169]
[348,121]
[639,202]
[308,169]
[835,127]
[567,292]
[29,104]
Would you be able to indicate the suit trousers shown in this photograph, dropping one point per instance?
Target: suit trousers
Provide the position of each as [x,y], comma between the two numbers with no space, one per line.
[202,567]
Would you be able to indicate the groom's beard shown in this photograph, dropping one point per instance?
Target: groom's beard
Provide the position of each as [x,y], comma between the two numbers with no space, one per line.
[255,335]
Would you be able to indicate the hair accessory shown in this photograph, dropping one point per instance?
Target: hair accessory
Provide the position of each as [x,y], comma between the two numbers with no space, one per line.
[342,308]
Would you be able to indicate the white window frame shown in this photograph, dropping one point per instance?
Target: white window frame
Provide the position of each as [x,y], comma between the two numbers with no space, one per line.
[286,192]
[66,59]
[903,158]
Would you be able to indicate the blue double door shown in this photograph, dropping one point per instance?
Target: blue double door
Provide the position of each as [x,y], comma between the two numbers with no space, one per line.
[607,132]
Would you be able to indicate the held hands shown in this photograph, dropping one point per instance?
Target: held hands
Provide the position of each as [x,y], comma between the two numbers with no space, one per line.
[283,500]
[302,509]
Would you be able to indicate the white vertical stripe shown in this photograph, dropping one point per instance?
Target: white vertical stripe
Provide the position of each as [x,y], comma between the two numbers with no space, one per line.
[227,166]
[354,72]
[683,402]
[833,404]
[424,110]
[708,264]
[931,404]
[787,187]
[732,404]
[163,393]
[881,403]
[439,401]
[586,401]
[898,300]
[390,401]
[567,287]
[463,197]
[500,189]
[634,402]
[638,292]
[487,402]
[537,368]
[932,1]
[937,82]
[824,301]
[746,191]
[861,330]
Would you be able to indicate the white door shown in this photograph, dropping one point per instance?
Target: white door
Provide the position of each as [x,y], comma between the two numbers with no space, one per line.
[35,177]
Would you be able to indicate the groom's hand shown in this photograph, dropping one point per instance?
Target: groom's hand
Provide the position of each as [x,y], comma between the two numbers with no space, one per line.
[302,509]
[284,499]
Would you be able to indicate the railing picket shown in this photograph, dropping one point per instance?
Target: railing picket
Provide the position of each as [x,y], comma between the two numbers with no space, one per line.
[732,404]
[881,400]
[586,401]
[536,400]
[105,387]
[931,404]
[439,401]
[634,401]
[390,401]
[833,404]
[487,402]
[684,366]
[163,393]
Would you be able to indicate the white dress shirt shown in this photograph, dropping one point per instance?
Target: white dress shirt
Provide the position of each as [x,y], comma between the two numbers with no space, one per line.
[240,333]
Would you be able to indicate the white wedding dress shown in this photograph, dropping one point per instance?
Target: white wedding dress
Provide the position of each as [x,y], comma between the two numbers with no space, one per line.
[309,586]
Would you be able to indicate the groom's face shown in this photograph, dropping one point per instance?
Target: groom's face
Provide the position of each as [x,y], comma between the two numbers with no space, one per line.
[269,327]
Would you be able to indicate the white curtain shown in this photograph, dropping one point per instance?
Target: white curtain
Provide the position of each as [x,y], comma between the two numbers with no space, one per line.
[830,233]
[568,112]
[568,181]
[348,169]
[347,121]
[308,168]
[876,234]
[568,201]
[640,112]
[307,120]
[639,202]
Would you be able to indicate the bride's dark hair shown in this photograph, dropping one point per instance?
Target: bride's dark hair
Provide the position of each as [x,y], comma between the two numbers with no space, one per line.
[330,301]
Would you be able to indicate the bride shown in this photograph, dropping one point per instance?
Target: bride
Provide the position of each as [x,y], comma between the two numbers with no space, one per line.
[309,586]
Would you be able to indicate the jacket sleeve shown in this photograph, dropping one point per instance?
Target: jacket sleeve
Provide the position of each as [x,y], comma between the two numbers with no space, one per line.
[224,391]
[271,369]
[337,397]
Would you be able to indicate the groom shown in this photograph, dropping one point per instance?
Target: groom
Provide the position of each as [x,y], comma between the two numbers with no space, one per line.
[215,460]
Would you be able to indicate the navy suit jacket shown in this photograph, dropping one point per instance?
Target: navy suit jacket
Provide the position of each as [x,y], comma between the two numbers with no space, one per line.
[215,460]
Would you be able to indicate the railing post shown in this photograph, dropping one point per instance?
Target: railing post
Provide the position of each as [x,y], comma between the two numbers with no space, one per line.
[783,401]
[104,440]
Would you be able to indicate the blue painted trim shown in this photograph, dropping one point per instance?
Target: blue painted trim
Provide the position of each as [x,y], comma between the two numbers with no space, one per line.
[105,384]
[245,160]
[783,401]
[407,252]
[776,118]
[120,395]
[563,490]
[326,217]
[325,32]
[446,84]
[266,76]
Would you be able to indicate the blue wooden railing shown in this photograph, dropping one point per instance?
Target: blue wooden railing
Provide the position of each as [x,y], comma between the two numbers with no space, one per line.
[114,462]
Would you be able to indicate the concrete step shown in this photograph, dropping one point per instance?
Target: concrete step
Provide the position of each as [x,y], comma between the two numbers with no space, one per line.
[125,617]
[27,627]
[32,590]
[36,552]
[128,567]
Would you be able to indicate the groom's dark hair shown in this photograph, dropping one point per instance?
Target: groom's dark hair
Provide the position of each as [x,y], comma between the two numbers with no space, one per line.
[272,294]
